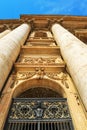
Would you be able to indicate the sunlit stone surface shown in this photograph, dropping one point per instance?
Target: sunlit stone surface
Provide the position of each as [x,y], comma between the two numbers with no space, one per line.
[74,53]
[2,34]
[9,50]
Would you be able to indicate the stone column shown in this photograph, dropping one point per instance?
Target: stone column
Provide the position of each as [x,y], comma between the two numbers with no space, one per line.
[2,34]
[74,53]
[9,49]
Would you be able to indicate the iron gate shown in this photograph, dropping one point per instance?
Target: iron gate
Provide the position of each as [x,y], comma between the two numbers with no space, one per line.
[39,114]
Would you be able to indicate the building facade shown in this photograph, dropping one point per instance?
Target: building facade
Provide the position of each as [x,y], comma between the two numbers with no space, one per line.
[44,59]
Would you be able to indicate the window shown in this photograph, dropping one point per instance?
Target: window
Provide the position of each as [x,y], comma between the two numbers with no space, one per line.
[40,34]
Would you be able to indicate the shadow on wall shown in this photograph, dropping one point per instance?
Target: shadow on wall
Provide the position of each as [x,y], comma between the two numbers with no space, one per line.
[39,89]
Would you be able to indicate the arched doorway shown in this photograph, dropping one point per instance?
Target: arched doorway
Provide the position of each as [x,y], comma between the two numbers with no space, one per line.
[39,108]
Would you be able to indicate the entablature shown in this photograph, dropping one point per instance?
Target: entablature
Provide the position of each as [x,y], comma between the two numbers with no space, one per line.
[26,68]
[81,34]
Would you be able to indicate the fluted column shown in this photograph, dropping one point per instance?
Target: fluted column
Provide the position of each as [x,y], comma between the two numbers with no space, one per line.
[10,48]
[74,53]
[2,34]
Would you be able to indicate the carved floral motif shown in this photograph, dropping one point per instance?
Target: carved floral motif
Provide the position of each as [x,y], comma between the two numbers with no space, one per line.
[39,73]
[21,76]
[25,75]
[57,75]
[41,60]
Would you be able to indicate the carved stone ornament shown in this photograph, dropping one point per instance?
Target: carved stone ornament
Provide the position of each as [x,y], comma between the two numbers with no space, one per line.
[21,76]
[77,98]
[40,72]
[15,83]
[24,75]
[57,75]
[41,60]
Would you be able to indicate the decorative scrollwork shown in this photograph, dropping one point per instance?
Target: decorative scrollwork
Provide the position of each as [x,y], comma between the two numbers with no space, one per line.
[22,110]
[56,110]
[40,60]
[57,75]
[21,76]
[14,83]
[24,75]
[39,109]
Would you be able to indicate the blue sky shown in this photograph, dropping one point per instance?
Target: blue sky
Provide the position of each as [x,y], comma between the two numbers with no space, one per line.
[13,8]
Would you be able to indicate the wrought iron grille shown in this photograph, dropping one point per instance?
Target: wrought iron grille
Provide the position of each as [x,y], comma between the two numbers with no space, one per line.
[39,114]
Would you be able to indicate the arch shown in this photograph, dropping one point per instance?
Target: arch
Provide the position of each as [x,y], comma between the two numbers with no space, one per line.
[34,83]
[40,92]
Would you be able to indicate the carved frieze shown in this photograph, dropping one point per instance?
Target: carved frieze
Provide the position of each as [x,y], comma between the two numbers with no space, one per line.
[24,75]
[41,60]
[39,73]
[57,75]
[21,76]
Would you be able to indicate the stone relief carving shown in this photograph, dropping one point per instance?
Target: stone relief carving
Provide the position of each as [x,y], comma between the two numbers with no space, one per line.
[21,76]
[24,75]
[39,73]
[15,83]
[41,60]
[57,75]
[77,98]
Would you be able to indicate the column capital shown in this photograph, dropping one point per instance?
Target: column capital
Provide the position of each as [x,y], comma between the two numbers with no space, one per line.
[29,22]
[51,22]
[7,26]
[11,26]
